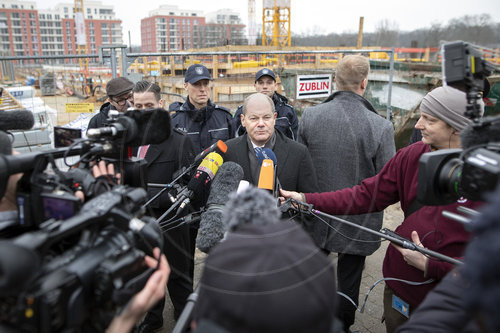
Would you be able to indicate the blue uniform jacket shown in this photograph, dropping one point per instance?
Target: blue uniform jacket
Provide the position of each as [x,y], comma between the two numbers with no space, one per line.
[205,126]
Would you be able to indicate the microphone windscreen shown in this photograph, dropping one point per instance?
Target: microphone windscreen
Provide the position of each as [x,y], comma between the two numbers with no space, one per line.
[5,143]
[153,126]
[16,120]
[212,229]
[474,134]
[266,176]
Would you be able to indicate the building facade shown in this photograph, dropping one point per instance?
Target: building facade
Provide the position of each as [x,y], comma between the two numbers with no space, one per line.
[26,30]
[169,28]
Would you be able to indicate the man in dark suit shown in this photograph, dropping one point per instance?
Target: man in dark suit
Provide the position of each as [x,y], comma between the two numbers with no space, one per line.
[295,168]
[163,160]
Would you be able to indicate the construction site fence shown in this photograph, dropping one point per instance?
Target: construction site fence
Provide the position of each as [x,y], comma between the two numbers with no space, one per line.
[74,83]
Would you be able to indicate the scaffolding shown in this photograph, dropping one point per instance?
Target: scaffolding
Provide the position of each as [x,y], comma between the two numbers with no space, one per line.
[276,29]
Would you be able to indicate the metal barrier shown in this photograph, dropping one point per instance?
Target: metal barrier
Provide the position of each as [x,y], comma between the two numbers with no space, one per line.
[154,66]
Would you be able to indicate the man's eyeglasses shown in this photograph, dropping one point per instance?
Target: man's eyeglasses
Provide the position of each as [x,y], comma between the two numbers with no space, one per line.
[122,101]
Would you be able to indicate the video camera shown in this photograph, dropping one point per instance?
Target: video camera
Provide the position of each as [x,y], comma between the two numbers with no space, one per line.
[68,266]
[43,190]
[73,275]
[446,175]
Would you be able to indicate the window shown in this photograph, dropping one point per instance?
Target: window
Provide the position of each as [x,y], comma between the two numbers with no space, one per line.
[57,17]
[49,16]
[14,15]
[65,9]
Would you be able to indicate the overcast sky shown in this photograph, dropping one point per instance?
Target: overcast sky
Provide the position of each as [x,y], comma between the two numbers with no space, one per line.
[314,15]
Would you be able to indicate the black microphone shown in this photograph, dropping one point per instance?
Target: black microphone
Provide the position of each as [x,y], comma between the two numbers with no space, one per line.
[137,127]
[124,127]
[5,143]
[212,229]
[198,187]
[16,120]
[480,134]
[153,125]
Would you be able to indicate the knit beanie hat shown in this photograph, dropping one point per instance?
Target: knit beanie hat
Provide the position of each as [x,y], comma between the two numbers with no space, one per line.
[267,279]
[449,105]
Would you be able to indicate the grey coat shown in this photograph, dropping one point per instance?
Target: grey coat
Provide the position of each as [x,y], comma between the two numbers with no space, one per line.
[348,142]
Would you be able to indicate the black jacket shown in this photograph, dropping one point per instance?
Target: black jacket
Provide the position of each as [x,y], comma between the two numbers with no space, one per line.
[204,127]
[99,120]
[295,168]
[286,120]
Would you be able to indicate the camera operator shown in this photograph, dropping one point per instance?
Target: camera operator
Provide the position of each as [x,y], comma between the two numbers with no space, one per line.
[163,160]
[468,298]
[153,291]
[442,118]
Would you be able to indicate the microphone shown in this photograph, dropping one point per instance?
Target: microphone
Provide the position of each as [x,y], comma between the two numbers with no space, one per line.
[244,184]
[212,228]
[480,134]
[266,175]
[5,143]
[137,127]
[268,154]
[198,186]
[218,147]
[153,125]
[124,127]
[16,120]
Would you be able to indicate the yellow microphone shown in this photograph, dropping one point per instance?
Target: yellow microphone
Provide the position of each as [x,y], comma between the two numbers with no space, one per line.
[266,176]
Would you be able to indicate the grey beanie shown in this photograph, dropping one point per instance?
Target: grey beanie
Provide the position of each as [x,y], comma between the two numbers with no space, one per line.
[449,105]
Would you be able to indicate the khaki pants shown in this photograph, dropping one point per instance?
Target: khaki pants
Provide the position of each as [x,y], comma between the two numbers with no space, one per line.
[393,319]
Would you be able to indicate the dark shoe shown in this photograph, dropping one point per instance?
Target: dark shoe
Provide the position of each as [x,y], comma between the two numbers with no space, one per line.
[149,327]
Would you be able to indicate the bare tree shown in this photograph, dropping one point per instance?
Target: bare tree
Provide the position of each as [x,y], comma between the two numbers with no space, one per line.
[387,33]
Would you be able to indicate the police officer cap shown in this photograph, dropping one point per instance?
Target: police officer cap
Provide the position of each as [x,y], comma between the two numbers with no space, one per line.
[265,71]
[196,73]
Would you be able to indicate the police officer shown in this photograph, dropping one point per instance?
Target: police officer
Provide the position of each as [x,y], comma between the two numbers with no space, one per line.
[203,121]
[286,121]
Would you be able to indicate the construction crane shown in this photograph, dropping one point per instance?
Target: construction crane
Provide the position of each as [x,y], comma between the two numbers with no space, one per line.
[252,26]
[276,23]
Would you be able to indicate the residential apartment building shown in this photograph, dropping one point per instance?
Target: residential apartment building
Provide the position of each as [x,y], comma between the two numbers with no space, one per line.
[169,28]
[223,27]
[26,30]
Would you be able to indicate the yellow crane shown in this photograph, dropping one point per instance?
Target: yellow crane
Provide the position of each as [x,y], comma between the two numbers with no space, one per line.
[276,23]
